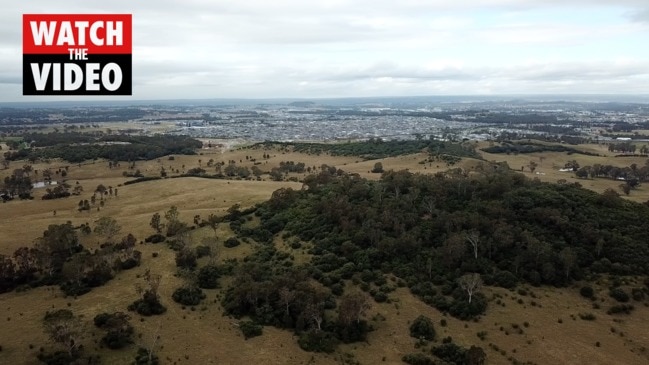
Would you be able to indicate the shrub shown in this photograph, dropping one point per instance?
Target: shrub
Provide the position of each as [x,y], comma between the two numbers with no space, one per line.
[450,352]
[380,297]
[482,335]
[620,308]
[186,258]
[462,309]
[208,277]
[619,294]
[142,357]
[202,251]
[587,316]
[317,341]
[505,279]
[587,292]
[188,295]
[417,359]
[422,328]
[156,238]
[148,305]
[250,329]
[637,294]
[231,242]
[356,331]
[57,358]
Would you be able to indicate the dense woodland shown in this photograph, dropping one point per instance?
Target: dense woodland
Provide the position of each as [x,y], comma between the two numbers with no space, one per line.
[79,147]
[501,225]
[441,236]
[510,147]
[377,148]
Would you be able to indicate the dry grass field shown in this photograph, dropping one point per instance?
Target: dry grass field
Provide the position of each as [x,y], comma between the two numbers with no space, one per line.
[542,326]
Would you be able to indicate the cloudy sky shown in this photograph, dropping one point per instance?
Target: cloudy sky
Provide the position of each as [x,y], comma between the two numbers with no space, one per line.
[338,48]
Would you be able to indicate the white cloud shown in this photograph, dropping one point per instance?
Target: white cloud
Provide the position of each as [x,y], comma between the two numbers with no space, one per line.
[255,48]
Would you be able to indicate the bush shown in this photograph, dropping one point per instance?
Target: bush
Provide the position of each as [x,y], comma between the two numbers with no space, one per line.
[231,242]
[620,308]
[188,295]
[250,329]
[422,328]
[505,279]
[148,305]
[619,294]
[208,277]
[450,353]
[156,238]
[356,331]
[380,297]
[57,358]
[317,341]
[202,251]
[186,258]
[587,316]
[587,292]
[142,358]
[637,294]
[417,359]
[462,309]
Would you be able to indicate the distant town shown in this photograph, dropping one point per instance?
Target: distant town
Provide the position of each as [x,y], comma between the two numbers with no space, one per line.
[349,119]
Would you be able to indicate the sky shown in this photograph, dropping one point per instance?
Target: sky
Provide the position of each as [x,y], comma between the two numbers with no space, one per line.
[336,48]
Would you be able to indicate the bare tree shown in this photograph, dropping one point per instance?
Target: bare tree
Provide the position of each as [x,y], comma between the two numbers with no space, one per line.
[453,249]
[429,205]
[213,246]
[152,343]
[599,246]
[287,297]
[473,237]
[314,312]
[107,227]
[155,223]
[352,307]
[471,283]
[568,259]
[63,327]
[213,221]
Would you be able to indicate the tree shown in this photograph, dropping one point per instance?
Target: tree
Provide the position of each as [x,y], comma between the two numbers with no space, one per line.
[173,222]
[156,224]
[213,221]
[64,328]
[287,296]
[422,328]
[532,165]
[213,248]
[352,307]
[471,283]
[101,189]
[146,352]
[117,327]
[626,188]
[378,168]
[149,303]
[107,227]
[186,258]
[568,259]
[473,238]
[476,356]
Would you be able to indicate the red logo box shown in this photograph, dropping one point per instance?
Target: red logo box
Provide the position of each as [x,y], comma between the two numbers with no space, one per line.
[77,54]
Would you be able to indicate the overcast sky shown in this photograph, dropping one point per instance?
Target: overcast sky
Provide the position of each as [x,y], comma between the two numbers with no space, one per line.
[338,48]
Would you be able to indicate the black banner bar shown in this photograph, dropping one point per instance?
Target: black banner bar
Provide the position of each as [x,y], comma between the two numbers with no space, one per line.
[101,71]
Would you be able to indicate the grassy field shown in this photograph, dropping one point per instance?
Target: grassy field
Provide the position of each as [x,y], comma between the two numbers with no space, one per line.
[552,332]
[549,164]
